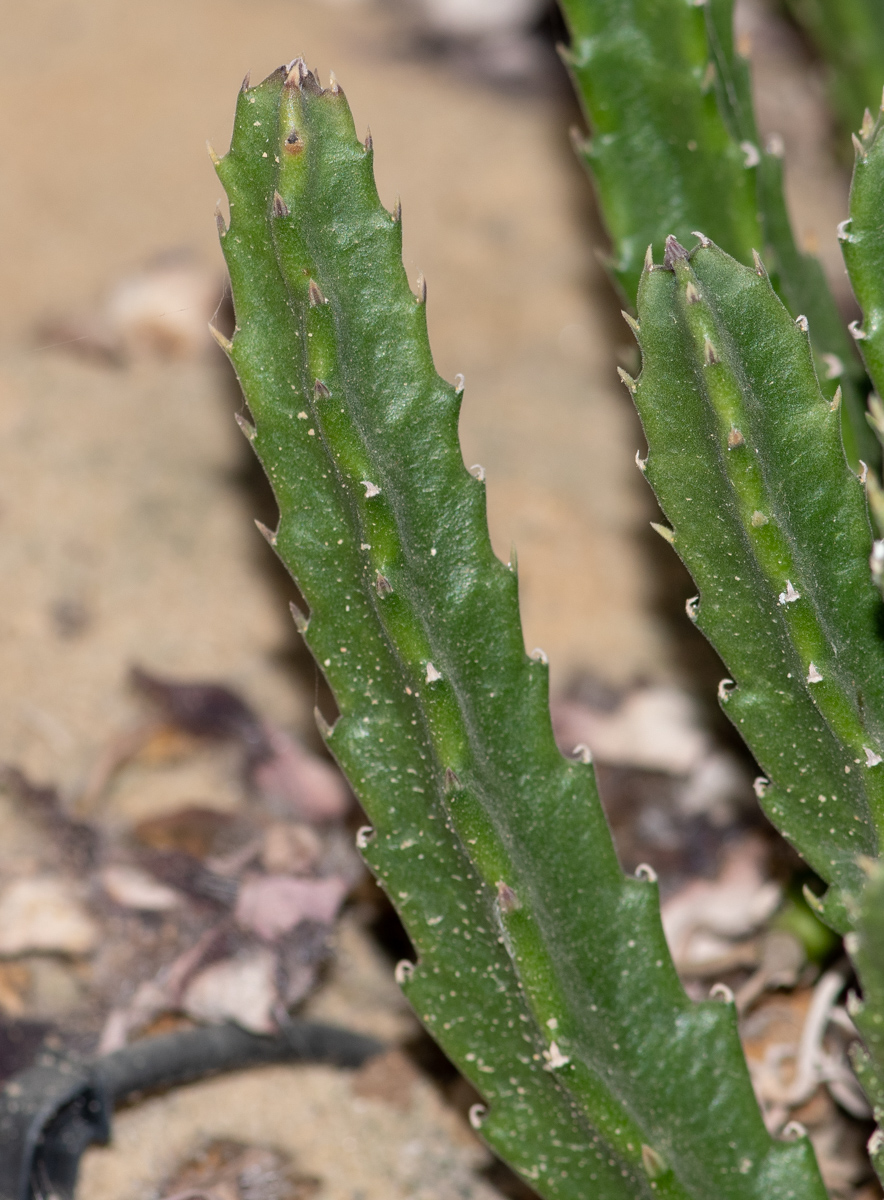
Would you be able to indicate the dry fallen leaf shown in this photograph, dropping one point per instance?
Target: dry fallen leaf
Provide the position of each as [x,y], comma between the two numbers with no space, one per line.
[311,788]
[702,919]
[130,887]
[271,905]
[44,915]
[241,989]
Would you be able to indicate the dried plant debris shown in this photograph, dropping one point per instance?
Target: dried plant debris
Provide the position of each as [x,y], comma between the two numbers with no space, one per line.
[118,926]
[72,842]
[159,312]
[229,1170]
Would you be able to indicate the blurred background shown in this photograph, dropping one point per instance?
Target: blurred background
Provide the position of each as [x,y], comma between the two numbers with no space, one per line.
[126,540]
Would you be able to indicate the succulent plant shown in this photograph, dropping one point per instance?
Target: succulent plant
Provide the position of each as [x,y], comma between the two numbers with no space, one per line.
[541,969]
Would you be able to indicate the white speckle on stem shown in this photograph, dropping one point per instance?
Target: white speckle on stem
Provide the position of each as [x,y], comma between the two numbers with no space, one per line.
[872,757]
[813,675]
[371,489]
[751,151]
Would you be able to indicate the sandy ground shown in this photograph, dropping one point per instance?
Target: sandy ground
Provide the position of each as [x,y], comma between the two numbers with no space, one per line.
[125,493]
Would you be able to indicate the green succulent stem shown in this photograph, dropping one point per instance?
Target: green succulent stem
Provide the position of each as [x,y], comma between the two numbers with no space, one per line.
[675,149]
[541,970]
[746,458]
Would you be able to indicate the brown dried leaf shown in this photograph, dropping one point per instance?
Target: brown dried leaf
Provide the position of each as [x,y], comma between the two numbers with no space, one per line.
[272,905]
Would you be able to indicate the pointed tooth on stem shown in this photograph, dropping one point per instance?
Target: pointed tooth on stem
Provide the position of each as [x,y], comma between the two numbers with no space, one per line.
[790,595]
[720,991]
[649,258]
[759,265]
[653,1163]
[246,426]
[691,294]
[300,618]
[368,144]
[835,402]
[507,899]
[858,147]
[641,463]
[868,125]
[710,355]
[667,534]
[627,379]
[403,971]
[267,534]
[247,79]
[293,78]
[801,322]
[322,725]
[220,223]
[321,391]
[421,289]
[752,155]
[735,438]
[703,239]
[315,295]
[477,1115]
[631,322]
[225,343]
[279,207]
[216,161]
[674,252]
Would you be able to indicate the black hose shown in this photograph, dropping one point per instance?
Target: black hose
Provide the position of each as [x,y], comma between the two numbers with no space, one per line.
[51,1112]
